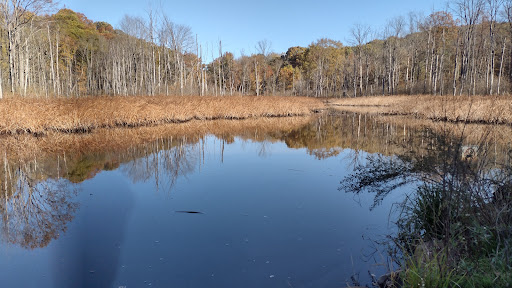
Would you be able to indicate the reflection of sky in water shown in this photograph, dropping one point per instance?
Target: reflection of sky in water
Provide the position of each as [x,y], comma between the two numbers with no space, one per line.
[272,217]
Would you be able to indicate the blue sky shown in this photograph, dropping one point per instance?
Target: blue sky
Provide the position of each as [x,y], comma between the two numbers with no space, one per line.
[241,24]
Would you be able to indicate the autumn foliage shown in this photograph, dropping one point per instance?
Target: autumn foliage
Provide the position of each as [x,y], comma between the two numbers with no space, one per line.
[444,53]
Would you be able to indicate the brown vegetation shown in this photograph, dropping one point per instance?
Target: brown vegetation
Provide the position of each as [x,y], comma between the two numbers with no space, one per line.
[473,109]
[27,147]
[39,116]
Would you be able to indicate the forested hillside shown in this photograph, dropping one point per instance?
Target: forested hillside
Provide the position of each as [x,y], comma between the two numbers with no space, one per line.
[464,50]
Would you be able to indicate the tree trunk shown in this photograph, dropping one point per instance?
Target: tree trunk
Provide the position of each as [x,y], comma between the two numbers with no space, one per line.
[257,78]
[501,64]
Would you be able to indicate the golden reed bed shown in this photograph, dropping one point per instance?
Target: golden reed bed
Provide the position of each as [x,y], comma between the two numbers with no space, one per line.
[466,109]
[40,116]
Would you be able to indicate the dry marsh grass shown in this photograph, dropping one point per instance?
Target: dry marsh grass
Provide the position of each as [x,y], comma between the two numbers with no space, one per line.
[474,109]
[40,116]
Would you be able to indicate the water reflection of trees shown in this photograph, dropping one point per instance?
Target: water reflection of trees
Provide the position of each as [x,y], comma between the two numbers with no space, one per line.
[37,204]
[163,161]
[34,210]
[37,195]
[332,132]
[429,154]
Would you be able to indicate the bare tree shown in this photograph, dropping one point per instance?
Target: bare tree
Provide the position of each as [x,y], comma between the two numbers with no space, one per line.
[264,47]
[507,15]
[394,30]
[180,40]
[360,35]
[493,7]
[16,14]
[469,12]
[134,26]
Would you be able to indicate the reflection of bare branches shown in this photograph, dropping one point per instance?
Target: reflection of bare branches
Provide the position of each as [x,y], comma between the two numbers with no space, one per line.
[354,158]
[164,161]
[264,150]
[33,212]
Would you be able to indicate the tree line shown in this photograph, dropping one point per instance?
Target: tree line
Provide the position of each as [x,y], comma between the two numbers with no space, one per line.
[464,50]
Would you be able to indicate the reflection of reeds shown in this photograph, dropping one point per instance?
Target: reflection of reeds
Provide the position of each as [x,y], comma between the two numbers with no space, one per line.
[105,140]
[39,116]
[392,135]
[476,109]
[472,133]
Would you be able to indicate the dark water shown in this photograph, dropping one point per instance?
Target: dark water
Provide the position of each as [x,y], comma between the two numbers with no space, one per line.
[205,213]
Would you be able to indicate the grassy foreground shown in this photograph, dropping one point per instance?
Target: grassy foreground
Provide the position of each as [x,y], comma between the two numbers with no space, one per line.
[473,109]
[39,116]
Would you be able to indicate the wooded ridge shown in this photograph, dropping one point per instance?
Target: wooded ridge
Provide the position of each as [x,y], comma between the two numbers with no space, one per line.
[463,51]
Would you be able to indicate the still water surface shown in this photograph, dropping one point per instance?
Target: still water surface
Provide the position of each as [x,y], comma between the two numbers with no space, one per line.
[205,213]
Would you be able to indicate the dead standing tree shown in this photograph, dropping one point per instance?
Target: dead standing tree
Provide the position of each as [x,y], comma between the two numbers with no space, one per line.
[180,40]
[263,48]
[360,35]
[507,15]
[469,12]
[16,14]
[493,6]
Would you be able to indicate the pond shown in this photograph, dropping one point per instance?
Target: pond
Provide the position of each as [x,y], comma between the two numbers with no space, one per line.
[256,208]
